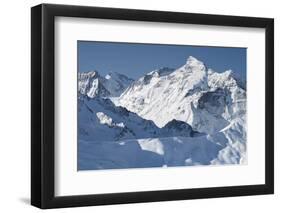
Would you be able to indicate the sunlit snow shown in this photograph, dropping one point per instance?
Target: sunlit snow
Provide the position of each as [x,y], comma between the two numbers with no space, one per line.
[188,116]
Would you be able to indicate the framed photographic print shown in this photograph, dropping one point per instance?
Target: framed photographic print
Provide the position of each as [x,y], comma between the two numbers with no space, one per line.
[139,106]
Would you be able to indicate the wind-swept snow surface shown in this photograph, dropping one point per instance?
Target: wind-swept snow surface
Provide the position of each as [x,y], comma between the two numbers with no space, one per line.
[169,117]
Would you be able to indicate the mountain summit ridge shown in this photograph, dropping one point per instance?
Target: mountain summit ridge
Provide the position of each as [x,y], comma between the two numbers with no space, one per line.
[177,95]
[187,116]
[92,84]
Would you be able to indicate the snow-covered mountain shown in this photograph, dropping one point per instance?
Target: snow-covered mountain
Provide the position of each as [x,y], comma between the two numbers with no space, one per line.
[188,116]
[101,120]
[92,84]
[201,97]
[225,147]
[218,149]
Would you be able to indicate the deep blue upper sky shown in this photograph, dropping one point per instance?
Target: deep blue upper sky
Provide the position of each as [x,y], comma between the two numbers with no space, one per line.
[134,60]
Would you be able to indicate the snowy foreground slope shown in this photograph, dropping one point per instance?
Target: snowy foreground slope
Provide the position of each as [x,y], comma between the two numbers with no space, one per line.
[169,117]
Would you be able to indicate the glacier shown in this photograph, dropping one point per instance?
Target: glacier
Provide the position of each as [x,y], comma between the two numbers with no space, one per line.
[187,116]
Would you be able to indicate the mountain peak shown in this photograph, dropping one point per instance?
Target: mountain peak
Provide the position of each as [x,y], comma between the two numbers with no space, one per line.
[161,71]
[192,61]
[194,65]
[118,76]
[108,76]
[92,84]
[89,74]
[111,75]
[238,78]
[92,73]
[191,58]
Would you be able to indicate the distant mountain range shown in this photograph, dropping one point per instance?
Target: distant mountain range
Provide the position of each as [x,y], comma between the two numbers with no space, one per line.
[190,103]
[92,84]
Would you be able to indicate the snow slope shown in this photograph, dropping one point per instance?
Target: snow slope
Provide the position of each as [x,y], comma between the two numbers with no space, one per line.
[100,120]
[169,117]
[225,147]
[151,152]
[201,97]
[161,152]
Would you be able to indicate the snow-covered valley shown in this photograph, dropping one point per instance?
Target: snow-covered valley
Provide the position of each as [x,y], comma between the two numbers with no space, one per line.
[169,117]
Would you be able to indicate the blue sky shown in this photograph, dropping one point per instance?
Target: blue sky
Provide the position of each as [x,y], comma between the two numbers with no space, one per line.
[134,60]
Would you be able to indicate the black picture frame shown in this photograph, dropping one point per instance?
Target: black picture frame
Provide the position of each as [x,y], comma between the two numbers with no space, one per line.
[43,102]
